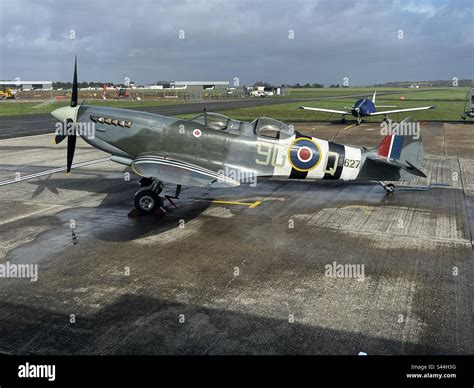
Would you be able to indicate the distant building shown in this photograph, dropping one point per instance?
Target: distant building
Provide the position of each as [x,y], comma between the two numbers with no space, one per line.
[196,86]
[27,85]
[153,87]
[418,85]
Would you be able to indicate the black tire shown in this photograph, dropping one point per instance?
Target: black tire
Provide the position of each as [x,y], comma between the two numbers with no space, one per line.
[147,202]
[391,189]
[146,182]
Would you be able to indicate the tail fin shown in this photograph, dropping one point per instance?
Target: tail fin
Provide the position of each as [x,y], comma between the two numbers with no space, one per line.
[373,97]
[402,151]
[402,147]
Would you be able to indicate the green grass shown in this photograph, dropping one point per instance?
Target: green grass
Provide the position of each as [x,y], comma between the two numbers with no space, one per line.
[408,93]
[9,107]
[333,92]
[449,104]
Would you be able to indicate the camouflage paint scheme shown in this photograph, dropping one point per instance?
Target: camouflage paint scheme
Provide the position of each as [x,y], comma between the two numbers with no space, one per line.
[213,150]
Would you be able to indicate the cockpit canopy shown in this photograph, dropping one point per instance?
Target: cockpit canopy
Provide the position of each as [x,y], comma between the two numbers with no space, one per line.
[271,128]
[263,126]
[216,121]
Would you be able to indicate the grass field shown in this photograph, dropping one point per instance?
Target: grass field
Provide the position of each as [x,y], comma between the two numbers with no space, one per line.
[8,108]
[334,92]
[449,102]
[447,93]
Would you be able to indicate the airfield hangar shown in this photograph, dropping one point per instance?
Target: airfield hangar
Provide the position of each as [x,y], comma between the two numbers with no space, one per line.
[199,86]
[26,85]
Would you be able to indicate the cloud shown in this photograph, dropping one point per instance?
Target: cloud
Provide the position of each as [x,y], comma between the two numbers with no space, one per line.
[247,39]
[423,8]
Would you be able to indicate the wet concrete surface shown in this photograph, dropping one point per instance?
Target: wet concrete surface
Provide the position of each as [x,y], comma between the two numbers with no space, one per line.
[211,278]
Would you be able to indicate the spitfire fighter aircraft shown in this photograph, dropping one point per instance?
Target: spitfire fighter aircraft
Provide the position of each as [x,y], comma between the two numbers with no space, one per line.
[365,107]
[212,150]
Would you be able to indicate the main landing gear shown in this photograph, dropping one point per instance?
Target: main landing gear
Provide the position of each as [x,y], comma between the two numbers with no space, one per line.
[389,188]
[148,200]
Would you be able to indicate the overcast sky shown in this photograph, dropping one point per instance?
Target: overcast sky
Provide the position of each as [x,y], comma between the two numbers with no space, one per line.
[368,41]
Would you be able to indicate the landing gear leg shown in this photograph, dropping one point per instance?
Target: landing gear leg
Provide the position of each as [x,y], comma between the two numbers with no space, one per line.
[176,196]
[389,189]
[359,120]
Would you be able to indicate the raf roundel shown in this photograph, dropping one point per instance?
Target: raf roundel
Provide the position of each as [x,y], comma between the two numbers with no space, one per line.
[197,133]
[304,154]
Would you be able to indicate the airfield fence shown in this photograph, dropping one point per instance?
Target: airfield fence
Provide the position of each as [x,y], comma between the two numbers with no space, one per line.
[134,94]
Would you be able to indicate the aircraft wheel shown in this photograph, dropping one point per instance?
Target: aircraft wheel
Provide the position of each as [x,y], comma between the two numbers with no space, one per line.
[390,189]
[147,201]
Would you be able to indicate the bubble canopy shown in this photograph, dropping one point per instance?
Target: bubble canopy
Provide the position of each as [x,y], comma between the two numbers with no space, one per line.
[272,128]
[216,121]
[265,127]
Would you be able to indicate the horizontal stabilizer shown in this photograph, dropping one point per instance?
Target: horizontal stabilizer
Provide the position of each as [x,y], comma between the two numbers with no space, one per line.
[403,165]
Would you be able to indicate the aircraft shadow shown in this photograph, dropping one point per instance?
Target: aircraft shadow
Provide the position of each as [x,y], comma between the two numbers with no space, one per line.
[137,324]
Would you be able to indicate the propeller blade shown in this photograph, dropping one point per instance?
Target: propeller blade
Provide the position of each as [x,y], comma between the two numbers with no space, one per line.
[74,86]
[360,104]
[71,139]
[71,146]
[66,114]
[59,138]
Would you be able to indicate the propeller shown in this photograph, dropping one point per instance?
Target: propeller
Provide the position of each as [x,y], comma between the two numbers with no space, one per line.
[69,129]
[71,140]
[357,108]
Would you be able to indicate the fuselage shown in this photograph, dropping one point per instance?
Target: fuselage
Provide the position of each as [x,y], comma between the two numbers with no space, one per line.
[265,147]
[363,108]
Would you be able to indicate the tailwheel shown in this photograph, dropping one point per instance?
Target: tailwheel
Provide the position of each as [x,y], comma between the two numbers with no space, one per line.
[147,201]
[389,188]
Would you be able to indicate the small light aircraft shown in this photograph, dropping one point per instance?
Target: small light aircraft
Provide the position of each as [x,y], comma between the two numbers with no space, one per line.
[212,150]
[365,107]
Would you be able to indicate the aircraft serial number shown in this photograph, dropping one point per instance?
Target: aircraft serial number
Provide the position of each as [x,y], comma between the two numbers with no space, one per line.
[352,163]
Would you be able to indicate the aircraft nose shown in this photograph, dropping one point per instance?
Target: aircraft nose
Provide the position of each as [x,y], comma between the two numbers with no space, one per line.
[64,113]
